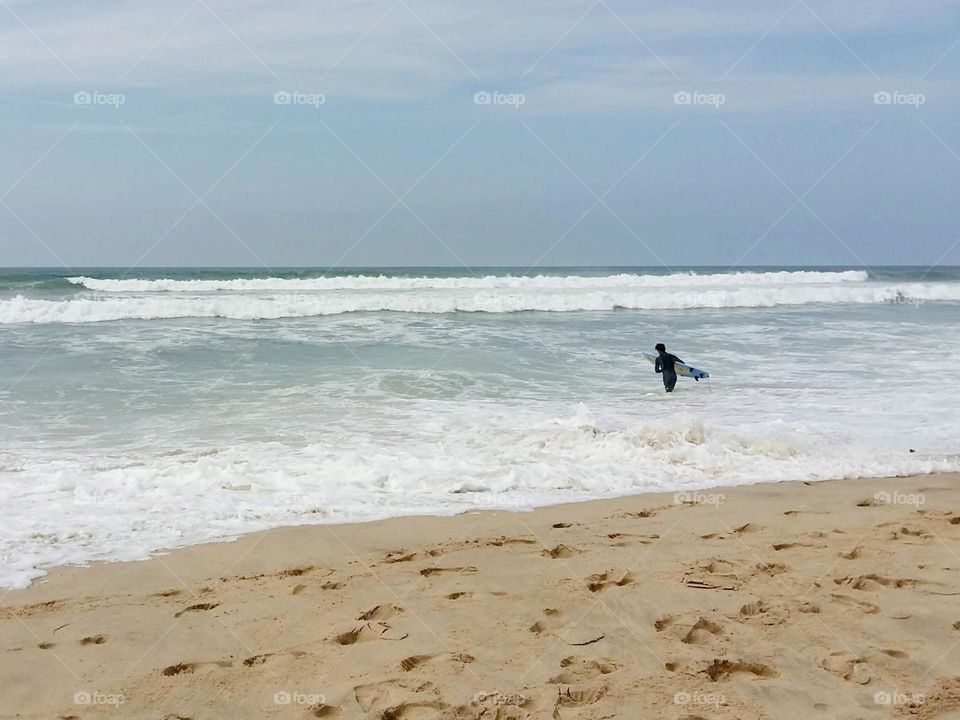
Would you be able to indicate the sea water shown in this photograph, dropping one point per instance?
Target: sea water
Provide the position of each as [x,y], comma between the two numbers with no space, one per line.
[148,409]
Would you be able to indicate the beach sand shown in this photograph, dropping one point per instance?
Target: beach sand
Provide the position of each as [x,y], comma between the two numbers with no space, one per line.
[788,600]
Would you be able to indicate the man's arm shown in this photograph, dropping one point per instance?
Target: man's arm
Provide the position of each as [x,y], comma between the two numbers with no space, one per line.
[657,367]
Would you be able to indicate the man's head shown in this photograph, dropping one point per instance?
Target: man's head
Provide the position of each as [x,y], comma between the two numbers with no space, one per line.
[661,348]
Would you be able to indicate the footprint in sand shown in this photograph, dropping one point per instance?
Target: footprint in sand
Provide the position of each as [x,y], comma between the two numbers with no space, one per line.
[701,631]
[199,607]
[847,667]
[664,622]
[262,658]
[873,581]
[178,669]
[744,529]
[791,545]
[865,607]
[502,541]
[497,704]
[721,669]
[93,640]
[629,514]
[399,556]
[415,661]
[896,654]
[464,570]
[577,669]
[911,536]
[622,539]
[713,574]
[578,697]
[611,578]
[285,573]
[770,569]
[325,711]
[401,700]
[560,552]
[549,622]
[369,631]
[765,612]
[576,634]
[193,667]
[940,516]
[295,572]
[380,612]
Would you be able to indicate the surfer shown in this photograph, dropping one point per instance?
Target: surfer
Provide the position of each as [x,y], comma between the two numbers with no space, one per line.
[665,364]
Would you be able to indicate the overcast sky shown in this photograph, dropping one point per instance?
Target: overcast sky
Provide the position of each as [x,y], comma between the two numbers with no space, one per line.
[539,132]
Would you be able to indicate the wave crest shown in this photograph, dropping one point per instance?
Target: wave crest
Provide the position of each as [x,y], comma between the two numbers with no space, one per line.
[273,306]
[486,282]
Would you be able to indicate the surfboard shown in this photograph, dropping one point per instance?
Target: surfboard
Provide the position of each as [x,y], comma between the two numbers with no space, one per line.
[682,368]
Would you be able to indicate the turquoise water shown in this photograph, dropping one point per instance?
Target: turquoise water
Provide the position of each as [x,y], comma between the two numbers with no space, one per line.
[155,408]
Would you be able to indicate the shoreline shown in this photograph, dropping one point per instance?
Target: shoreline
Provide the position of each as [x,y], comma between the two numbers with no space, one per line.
[764,600]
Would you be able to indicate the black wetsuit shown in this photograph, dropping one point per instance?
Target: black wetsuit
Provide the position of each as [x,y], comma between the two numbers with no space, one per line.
[664,364]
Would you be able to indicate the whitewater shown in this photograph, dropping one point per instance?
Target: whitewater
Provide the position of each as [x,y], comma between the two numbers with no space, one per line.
[149,409]
[276,297]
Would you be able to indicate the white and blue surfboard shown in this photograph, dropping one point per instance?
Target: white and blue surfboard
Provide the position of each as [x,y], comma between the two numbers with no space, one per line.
[682,368]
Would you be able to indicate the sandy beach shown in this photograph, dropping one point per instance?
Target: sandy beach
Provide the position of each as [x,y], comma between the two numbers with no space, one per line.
[832,599]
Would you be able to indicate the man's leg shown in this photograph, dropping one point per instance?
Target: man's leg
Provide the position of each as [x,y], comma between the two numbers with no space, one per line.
[668,384]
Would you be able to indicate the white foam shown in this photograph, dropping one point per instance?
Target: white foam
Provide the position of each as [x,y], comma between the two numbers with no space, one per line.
[487,282]
[251,306]
[76,509]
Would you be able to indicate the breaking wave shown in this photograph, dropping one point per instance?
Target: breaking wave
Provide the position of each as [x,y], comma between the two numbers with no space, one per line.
[433,300]
[487,282]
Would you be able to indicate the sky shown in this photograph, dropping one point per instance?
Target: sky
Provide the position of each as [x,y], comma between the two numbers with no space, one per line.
[528,133]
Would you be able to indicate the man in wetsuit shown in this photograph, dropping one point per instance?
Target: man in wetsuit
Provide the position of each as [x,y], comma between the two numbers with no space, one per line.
[665,364]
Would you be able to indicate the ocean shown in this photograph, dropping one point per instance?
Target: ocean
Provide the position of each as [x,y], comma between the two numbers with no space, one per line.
[149,409]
